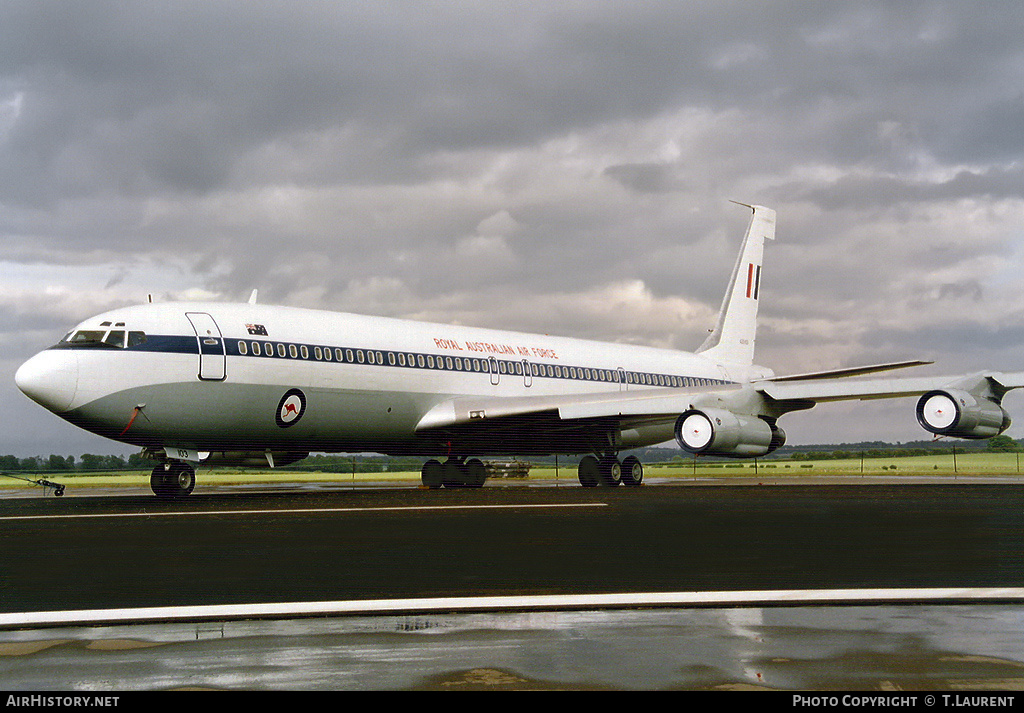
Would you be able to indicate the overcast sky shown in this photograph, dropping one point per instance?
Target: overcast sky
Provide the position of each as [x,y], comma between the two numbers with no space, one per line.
[552,167]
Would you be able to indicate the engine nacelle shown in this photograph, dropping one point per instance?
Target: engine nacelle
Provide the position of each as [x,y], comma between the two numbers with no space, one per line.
[952,412]
[716,432]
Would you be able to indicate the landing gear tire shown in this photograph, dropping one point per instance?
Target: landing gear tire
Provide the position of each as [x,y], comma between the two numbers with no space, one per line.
[172,479]
[611,471]
[476,473]
[432,474]
[589,472]
[632,472]
[454,473]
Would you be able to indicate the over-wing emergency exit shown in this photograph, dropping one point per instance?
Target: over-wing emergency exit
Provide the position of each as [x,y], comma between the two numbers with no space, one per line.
[260,385]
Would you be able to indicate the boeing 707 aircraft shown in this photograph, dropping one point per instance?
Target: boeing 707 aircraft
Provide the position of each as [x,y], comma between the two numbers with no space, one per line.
[251,384]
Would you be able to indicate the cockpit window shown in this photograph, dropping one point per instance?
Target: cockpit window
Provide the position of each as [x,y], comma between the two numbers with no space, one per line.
[116,338]
[87,336]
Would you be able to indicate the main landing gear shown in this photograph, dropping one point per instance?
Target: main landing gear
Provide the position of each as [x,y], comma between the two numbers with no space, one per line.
[609,471]
[454,473]
[172,479]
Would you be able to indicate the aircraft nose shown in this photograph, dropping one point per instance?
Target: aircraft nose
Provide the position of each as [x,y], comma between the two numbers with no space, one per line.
[50,378]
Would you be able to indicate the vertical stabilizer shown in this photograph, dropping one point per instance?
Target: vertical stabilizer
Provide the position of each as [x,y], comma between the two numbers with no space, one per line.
[732,340]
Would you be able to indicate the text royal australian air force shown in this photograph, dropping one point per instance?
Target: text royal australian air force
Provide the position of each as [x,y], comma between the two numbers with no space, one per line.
[491,348]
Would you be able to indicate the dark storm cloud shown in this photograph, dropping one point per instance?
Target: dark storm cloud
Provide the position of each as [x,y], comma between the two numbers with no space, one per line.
[647,177]
[143,97]
[885,190]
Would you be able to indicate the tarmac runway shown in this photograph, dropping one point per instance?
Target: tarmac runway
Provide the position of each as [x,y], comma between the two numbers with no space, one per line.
[373,544]
[916,552]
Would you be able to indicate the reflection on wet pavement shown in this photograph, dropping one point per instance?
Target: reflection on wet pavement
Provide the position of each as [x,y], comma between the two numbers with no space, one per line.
[923,647]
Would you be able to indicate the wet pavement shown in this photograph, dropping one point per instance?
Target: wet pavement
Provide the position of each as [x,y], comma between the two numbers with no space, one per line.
[99,549]
[881,648]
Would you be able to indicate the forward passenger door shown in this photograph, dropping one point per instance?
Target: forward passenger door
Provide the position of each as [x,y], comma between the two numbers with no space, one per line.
[212,354]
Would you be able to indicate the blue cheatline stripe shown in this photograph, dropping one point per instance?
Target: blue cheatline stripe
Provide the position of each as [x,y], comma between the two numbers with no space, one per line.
[269,349]
[726,599]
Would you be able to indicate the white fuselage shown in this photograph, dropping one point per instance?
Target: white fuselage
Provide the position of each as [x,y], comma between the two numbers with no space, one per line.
[219,377]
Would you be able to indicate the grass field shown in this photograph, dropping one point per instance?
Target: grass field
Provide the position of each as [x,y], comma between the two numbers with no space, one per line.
[967,465]
[973,463]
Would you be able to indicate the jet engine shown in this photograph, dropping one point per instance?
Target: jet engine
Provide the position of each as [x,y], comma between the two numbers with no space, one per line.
[717,432]
[952,412]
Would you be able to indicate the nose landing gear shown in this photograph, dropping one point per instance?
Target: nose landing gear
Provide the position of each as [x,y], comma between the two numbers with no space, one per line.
[172,479]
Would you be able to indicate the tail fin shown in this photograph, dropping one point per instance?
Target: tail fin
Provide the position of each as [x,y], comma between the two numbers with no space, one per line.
[732,340]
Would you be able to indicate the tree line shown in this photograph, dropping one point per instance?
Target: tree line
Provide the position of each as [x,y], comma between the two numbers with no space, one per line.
[84,463]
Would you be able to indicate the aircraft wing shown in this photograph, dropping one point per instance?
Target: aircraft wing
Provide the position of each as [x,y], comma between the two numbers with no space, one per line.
[820,390]
[850,371]
[783,394]
[656,402]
